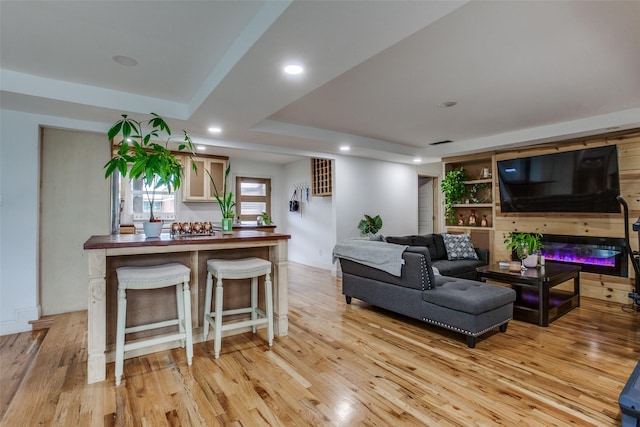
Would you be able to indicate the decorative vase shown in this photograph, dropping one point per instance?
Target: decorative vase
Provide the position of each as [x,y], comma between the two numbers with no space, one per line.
[152,229]
[472,218]
[227,225]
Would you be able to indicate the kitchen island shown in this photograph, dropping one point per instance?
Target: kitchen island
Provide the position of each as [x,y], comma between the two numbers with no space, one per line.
[106,253]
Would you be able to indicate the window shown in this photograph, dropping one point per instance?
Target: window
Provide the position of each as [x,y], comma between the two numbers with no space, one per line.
[164,205]
[253,196]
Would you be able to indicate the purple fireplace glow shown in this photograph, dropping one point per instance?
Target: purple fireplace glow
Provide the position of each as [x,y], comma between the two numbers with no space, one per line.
[602,255]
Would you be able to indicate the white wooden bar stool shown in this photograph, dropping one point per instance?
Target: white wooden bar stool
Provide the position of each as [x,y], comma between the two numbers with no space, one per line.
[154,277]
[245,268]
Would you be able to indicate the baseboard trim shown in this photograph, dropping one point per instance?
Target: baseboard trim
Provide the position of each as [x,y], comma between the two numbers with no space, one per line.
[22,321]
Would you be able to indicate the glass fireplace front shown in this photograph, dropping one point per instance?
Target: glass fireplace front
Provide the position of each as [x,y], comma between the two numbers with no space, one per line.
[602,255]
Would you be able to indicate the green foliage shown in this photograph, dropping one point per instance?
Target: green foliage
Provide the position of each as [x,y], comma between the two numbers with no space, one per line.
[454,190]
[532,241]
[141,157]
[225,200]
[266,218]
[370,225]
[479,194]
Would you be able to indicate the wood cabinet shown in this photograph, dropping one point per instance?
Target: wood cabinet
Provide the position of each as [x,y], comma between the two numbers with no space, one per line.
[197,186]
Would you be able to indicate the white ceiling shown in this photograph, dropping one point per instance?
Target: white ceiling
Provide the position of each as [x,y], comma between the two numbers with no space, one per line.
[376,71]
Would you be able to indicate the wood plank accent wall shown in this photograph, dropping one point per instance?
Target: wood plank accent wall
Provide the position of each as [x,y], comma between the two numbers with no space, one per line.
[609,288]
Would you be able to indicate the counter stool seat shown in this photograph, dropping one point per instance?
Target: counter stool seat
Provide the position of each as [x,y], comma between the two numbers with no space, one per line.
[153,277]
[245,268]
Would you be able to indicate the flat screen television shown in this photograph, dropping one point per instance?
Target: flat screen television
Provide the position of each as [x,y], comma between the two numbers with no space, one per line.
[572,181]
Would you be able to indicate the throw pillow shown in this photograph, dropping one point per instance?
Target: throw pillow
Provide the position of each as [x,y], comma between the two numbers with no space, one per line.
[459,246]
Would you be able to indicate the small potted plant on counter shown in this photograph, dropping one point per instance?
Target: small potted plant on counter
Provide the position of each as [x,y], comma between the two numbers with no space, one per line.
[225,200]
[266,218]
[140,156]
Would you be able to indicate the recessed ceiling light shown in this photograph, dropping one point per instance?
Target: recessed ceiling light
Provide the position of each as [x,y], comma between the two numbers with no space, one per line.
[447,104]
[345,148]
[215,129]
[417,160]
[201,148]
[125,60]
[293,69]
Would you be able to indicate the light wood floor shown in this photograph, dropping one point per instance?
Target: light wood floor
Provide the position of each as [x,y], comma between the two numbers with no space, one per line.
[340,366]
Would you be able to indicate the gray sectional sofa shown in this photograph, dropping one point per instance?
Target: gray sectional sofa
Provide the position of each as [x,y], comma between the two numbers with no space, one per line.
[447,299]
[463,268]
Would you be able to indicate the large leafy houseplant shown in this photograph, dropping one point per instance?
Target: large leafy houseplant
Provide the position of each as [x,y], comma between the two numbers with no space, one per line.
[140,156]
[454,190]
[370,225]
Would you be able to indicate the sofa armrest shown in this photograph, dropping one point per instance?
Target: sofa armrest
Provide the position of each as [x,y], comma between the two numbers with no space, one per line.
[483,254]
[416,271]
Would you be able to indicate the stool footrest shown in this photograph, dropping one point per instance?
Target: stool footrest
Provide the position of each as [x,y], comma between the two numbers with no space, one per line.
[234,311]
[235,325]
[152,326]
[242,324]
[146,342]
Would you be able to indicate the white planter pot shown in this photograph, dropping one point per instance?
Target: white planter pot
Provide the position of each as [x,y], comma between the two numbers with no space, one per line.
[531,261]
[152,229]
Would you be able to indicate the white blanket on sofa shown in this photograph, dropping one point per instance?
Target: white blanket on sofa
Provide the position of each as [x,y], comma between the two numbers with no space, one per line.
[381,255]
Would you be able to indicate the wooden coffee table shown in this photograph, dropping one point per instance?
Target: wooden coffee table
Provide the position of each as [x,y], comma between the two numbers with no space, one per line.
[537,301]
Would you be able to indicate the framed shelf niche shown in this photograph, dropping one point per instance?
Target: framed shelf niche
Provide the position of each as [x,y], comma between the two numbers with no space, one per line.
[480,198]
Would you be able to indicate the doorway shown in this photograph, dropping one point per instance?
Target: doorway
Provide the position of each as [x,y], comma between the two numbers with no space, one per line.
[427,201]
[74,204]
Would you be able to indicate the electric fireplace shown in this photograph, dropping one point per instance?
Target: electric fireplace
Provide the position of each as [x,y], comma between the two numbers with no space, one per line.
[602,255]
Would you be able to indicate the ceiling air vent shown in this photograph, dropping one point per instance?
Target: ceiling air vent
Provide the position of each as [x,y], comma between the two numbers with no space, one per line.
[446,141]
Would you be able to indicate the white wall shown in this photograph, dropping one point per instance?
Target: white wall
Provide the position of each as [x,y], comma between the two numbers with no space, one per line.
[374,187]
[311,228]
[19,179]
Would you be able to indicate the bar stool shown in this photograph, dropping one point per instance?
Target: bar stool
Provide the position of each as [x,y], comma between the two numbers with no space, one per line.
[154,277]
[245,268]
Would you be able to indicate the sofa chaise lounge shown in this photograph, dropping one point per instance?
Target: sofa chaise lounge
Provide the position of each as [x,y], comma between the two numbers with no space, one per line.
[466,306]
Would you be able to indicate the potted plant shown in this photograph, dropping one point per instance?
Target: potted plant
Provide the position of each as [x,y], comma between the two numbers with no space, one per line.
[454,190]
[266,218]
[225,200]
[140,156]
[370,225]
[531,242]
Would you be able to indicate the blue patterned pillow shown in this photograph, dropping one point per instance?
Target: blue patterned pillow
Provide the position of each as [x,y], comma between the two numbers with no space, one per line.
[459,246]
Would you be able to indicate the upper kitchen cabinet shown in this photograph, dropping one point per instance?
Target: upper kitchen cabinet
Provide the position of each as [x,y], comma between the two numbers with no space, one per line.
[197,185]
